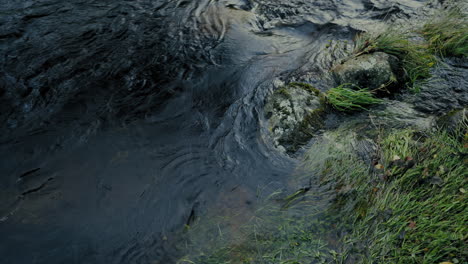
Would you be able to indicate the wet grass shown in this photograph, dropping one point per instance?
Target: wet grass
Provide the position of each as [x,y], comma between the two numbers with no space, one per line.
[447,33]
[407,207]
[410,208]
[345,98]
[348,97]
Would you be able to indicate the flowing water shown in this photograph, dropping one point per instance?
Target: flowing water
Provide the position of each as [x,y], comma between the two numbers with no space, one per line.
[124,120]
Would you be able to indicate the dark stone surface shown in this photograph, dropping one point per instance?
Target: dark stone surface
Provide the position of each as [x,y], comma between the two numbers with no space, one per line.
[446,90]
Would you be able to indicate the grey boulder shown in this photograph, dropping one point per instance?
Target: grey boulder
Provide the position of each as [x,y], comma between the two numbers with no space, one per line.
[372,71]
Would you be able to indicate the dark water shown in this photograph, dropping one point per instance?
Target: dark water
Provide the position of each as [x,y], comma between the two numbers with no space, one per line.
[123,120]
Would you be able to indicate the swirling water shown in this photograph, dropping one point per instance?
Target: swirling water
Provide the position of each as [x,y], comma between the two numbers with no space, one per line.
[121,119]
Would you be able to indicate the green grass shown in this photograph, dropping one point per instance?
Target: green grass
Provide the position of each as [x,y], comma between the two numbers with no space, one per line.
[416,59]
[413,208]
[347,97]
[447,33]
[410,208]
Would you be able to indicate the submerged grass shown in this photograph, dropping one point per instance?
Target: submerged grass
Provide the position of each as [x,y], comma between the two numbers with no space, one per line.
[347,97]
[285,230]
[447,33]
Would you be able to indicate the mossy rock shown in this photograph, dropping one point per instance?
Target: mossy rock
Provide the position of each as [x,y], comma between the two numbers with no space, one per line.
[372,71]
[294,112]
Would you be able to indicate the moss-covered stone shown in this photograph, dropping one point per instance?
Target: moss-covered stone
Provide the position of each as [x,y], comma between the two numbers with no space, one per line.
[306,87]
[294,112]
[372,71]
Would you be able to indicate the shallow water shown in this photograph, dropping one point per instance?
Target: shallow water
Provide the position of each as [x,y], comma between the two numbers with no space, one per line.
[123,120]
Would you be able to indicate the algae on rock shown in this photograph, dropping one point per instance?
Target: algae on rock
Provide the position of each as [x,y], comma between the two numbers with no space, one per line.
[294,113]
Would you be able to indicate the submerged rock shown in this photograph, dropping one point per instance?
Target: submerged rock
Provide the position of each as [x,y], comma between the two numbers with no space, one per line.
[396,114]
[294,113]
[373,71]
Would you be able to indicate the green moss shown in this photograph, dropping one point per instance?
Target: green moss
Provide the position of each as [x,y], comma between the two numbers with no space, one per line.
[347,97]
[447,33]
[314,120]
[283,91]
[306,87]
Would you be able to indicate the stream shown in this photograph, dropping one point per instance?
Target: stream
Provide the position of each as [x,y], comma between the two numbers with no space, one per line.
[122,121]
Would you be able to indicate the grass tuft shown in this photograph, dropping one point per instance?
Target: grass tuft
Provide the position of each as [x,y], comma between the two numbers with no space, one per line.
[348,97]
[412,209]
[447,33]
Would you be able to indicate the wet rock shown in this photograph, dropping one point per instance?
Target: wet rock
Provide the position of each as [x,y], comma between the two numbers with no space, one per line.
[371,71]
[446,90]
[390,114]
[294,113]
